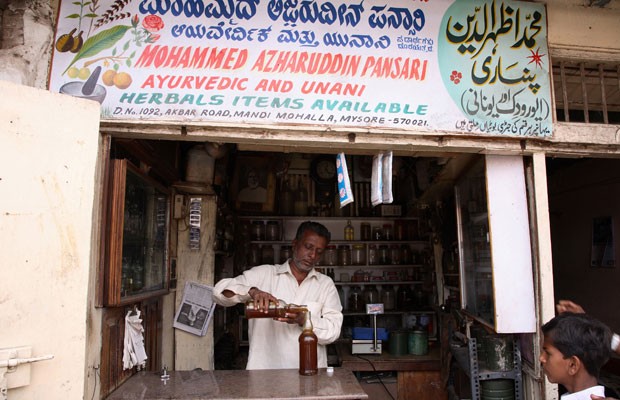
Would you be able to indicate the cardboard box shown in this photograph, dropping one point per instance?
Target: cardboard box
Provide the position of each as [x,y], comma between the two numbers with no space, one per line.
[391,210]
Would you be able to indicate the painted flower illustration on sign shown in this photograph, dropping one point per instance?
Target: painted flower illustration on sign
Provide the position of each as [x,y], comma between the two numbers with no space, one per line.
[152,23]
[456,77]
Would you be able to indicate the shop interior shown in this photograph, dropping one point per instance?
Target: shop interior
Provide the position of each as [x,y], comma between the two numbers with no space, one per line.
[403,254]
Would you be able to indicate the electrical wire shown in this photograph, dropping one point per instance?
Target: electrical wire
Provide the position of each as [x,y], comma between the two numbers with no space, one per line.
[378,375]
[95,387]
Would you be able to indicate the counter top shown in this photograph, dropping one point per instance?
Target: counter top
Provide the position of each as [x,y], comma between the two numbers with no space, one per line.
[387,361]
[281,384]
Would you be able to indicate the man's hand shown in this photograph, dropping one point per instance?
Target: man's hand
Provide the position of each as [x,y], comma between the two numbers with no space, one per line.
[568,306]
[293,318]
[262,299]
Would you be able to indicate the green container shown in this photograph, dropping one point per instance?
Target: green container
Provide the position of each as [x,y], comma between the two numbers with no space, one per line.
[497,389]
[418,342]
[398,343]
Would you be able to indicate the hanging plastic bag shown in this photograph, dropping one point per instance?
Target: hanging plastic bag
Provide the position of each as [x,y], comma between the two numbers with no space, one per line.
[133,350]
[345,194]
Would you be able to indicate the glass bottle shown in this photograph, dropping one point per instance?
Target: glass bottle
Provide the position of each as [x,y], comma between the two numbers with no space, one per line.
[301,199]
[286,199]
[285,253]
[349,231]
[272,231]
[388,233]
[383,254]
[373,258]
[371,295]
[254,256]
[308,349]
[258,230]
[344,255]
[356,300]
[395,254]
[267,254]
[330,256]
[278,310]
[365,231]
[388,297]
[358,254]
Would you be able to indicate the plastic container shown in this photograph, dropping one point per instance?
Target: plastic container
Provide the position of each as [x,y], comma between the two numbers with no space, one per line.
[368,333]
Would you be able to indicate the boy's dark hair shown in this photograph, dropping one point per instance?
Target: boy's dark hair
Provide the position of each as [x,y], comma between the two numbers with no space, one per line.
[582,336]
[315,227]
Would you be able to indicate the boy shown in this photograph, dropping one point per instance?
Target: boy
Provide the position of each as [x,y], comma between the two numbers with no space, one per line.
[575,348]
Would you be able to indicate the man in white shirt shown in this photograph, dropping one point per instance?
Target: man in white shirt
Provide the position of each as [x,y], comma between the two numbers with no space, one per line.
[274,342]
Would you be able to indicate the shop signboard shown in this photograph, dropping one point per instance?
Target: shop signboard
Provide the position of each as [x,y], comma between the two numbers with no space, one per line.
[476,67]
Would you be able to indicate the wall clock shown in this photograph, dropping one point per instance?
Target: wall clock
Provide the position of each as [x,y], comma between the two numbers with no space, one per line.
[323,172]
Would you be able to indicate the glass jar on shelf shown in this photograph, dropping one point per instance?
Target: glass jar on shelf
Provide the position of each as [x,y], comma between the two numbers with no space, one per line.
[330,256]
[344,255]
[383,254]
[358,254]
[286,252]
[405,254]
[267,254]
[388,232]
[373,257]
[371,294]
[356,300]
[258,230]
[388,297]
[254,255]
[376,233]
[395,254]
[272,231]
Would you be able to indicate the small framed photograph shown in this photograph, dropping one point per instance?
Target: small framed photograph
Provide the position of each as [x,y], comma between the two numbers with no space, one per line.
[254,184]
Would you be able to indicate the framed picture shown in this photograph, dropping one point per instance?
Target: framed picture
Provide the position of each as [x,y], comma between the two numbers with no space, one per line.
[254,184]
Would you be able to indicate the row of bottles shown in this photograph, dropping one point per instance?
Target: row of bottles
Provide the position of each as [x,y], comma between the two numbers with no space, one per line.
[294,196]
[354,299]
[399,231]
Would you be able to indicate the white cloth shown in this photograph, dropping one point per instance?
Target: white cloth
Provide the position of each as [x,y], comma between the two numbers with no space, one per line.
[133,349]
[274,344]
[376,180]
[584,394]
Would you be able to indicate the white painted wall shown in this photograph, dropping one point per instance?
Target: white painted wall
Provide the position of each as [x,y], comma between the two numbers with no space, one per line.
[47,219]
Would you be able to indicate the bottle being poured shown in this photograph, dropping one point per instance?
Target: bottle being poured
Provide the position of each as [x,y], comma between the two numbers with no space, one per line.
[278,310]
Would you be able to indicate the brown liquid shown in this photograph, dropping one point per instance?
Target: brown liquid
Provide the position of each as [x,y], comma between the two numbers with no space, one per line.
[308,349]
[274,311]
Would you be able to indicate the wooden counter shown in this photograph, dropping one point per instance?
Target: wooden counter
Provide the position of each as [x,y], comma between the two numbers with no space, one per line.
[419,377]
[241,384]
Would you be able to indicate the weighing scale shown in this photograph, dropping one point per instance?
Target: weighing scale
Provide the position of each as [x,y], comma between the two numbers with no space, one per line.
[369,346]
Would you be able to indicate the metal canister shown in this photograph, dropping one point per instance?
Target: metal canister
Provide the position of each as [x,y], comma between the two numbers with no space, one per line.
[398,343]
[418,342]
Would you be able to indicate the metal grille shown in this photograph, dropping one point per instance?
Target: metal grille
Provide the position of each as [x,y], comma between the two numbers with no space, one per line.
[587,92]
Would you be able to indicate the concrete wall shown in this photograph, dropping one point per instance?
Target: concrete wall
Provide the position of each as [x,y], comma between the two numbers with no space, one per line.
[576,195]
[48,228]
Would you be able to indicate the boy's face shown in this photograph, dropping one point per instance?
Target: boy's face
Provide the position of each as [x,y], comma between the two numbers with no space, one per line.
[555,365]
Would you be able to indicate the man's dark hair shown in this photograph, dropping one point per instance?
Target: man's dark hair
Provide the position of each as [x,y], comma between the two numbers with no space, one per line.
[582,336]
[315,227]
